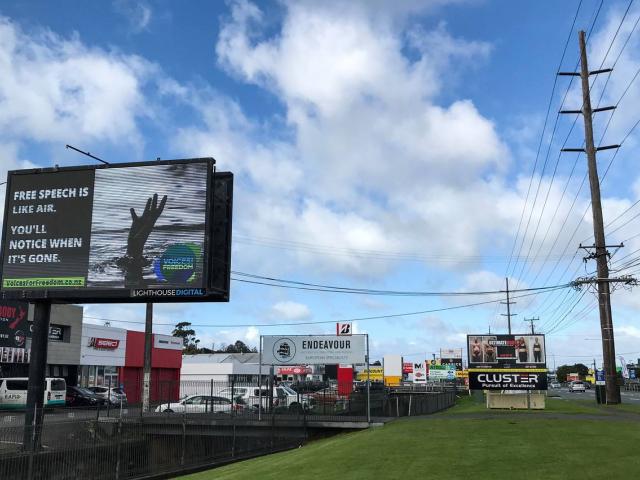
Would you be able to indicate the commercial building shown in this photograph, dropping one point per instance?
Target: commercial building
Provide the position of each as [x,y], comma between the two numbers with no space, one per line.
[166,362]
[63,353]
[89,355]
[102,354]
[222,367]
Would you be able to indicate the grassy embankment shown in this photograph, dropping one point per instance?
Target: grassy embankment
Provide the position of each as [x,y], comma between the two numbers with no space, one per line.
[571,439]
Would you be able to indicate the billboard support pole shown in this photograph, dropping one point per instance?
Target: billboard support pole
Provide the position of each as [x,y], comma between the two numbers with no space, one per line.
[368,384]
[260,381]
[146,381]
[34,414]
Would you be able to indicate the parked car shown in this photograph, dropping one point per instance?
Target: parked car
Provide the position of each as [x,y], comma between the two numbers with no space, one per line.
[577,387]
[282,396]
[81,397]
[114,396]
[555,385]
[328,395]
[201,404]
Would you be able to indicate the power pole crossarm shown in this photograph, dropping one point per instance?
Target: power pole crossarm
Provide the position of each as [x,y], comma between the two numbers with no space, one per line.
[531,320]
[508,303]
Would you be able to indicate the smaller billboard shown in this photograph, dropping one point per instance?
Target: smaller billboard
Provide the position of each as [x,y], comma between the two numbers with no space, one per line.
[450,353]
[375,374]
[407,367]
[392,365]
[506,351]
[420,372]
[313,349]
[508,379]
[14,327]
[442,372]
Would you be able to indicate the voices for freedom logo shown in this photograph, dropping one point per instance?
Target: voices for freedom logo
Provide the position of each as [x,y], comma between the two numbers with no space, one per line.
[178,264]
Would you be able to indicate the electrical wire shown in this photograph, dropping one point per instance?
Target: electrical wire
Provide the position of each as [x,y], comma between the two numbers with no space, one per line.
[366,291]
[321,322]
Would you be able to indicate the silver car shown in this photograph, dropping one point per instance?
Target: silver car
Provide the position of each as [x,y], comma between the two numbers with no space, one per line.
[114,395]
[198,404]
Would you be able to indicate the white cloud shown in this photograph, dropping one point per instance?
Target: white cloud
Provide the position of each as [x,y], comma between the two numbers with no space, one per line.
[137,13]
[57,89]
[290,311]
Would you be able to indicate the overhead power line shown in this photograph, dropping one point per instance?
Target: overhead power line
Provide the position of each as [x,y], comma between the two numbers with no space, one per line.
[284,283]
[321,322]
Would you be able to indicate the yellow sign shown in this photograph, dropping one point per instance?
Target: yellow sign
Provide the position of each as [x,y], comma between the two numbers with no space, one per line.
[392,381]
[462,373]
[376,374]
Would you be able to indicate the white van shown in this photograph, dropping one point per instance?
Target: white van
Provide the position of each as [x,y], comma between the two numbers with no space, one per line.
[13,393]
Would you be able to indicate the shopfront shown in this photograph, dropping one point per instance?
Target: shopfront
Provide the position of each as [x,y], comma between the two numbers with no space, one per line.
[102,353]
[63,351]
[166,362]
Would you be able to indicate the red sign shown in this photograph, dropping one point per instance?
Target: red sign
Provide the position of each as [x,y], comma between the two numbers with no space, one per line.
[407,367]
[104,343]
[293,370]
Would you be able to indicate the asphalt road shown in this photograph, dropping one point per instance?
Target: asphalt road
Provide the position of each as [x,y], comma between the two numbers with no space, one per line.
[627,397]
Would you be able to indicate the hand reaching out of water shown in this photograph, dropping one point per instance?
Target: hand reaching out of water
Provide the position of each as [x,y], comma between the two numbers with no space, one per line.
[141,226]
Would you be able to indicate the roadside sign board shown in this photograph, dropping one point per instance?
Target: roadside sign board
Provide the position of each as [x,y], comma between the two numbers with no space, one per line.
[506,351]
[419,372]
[442,372]
[508,379]
[313,349]
[14,326]
[600,377]
[127,232]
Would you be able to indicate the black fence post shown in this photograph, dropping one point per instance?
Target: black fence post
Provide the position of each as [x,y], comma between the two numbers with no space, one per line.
[119,448]
[184,436]
[233,442]
[233,404]
[109,398]
[211,395]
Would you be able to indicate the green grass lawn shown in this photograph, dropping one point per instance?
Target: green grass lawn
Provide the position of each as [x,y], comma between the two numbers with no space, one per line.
[468,404]
[451,446]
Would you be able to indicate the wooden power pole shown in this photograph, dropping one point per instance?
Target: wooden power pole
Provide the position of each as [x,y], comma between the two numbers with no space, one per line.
[508,303]
[600,247]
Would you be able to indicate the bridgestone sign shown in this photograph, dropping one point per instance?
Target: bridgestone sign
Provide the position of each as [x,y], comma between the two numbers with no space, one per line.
[313,349]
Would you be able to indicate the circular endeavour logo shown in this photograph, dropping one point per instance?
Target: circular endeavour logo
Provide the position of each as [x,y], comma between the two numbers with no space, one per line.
[284,350]
[178,263]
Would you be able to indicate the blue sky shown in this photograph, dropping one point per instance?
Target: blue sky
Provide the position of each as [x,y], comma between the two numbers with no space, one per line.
[380,145]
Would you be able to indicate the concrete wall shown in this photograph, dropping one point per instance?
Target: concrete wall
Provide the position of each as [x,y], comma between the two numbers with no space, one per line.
[535,401]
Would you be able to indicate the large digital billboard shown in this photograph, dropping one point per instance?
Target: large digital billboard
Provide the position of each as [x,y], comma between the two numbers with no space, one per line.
[152,231]
[506,351]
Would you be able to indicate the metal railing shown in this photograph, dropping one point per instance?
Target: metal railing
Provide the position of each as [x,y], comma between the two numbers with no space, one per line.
[229,422]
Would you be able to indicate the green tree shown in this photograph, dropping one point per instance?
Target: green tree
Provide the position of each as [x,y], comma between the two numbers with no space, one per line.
[189,340]
[239,347]
[563,370]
